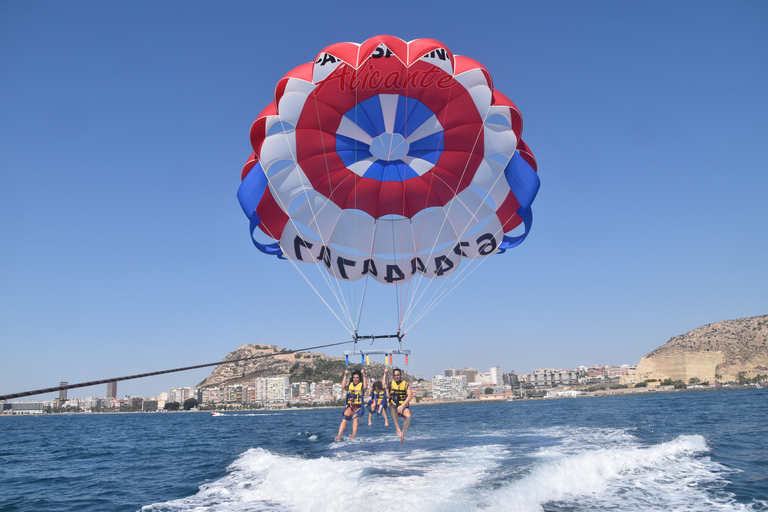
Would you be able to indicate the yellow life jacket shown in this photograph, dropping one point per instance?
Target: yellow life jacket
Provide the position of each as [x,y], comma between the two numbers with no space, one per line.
[398,392]
[355,394]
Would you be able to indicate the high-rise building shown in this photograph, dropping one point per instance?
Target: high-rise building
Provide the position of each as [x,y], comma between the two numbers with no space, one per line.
[497,377]
[112,389]
[63,392]
[450,372]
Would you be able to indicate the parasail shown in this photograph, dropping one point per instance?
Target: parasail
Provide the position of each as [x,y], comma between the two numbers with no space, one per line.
[388,161]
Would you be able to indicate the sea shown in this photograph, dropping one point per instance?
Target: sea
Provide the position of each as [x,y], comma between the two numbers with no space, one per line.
[686,451]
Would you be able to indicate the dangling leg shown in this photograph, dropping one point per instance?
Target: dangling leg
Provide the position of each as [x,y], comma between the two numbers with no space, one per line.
[345,417]
[407,414]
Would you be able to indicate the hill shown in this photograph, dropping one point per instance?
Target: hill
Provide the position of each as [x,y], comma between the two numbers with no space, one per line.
[299,366]
[716,352]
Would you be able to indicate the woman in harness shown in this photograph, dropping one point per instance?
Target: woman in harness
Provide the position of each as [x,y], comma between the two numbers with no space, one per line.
[354,408]
[400,395]
[378,402]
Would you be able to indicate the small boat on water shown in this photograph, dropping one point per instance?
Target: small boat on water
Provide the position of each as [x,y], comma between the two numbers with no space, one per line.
[217,413]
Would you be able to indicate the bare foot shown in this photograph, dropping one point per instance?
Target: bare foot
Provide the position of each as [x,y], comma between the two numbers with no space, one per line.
[402,439]
[338,438]
[352,436]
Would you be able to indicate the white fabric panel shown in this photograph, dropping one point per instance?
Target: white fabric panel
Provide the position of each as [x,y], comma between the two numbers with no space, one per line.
[281,146]
[325,64]
[478,244]
[389,110]
[288,184]
[490,178]
[361,166]
[319,214]
[428,127]
[354,233]
[499,139]
[393,237]
[273,120]
[477,85]
[433,232]
[351,271]
[290,233]
[348,128]
[444,64]
[293,99]
[419,164]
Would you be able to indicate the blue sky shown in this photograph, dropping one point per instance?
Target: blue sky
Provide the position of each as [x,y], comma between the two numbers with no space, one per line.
[124,128]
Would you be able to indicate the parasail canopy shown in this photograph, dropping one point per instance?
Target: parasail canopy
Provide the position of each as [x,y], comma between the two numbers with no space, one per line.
[390,161]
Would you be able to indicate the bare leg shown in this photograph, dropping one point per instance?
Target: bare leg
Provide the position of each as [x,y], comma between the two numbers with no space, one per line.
[354,427]
[394,420]
[343,425]
[407,414]
[386,420]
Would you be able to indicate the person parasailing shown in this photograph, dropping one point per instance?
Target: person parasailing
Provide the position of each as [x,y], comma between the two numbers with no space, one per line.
[354,402]
[378,401]
[400,395]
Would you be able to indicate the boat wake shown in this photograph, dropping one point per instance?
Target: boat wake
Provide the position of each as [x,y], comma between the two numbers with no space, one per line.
[587,470]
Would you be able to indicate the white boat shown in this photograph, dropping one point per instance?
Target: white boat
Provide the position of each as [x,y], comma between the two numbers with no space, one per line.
[217,413]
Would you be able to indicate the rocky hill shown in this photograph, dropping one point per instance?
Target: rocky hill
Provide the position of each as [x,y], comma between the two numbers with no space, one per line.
[299,366]
[715,352]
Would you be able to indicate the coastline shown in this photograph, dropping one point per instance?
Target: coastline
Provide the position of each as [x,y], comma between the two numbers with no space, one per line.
[423,402]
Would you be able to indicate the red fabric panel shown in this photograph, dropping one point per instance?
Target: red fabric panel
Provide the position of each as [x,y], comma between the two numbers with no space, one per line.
[273,218]
[507,213]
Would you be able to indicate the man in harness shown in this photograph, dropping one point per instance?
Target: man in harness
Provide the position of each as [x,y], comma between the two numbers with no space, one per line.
[354,401]
[400,395]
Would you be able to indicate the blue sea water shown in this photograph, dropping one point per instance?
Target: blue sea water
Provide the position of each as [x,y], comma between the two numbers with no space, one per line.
[698,451]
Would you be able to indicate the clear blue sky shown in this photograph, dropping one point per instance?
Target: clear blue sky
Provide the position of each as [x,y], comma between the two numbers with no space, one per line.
[124,128]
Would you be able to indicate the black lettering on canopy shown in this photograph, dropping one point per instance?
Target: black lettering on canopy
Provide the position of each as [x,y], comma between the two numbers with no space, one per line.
[326,58]
[459,251]
[443,264]
[341,263]
[298,243]
[418,266]
[394,274]
[438,54]
[325,255]
[369,267]
[380,52]
[489,246]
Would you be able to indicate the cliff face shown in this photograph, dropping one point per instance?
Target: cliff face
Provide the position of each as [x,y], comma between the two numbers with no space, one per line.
[713,352]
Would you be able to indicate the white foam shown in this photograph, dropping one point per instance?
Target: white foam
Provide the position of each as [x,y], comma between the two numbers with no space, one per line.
[668,476]
[581,469]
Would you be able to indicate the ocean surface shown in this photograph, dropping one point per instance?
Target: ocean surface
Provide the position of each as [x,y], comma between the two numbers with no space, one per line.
[697,451]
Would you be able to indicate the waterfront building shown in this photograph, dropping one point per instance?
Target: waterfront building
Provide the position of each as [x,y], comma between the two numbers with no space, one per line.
[111,390]
[336,391]
[549,377]
[23,407]
[325,390]
[469,372]
[180,394]
[449,388]
[496,376]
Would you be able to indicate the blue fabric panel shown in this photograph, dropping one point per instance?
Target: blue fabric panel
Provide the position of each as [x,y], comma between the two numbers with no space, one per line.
[522,179]
[351,150]
[367,115]
[411,113]
[251,191]
[513,241]
[429,148]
